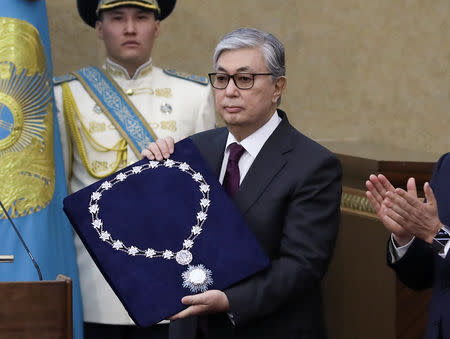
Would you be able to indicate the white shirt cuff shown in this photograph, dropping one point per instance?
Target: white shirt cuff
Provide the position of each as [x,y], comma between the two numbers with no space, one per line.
[398,252]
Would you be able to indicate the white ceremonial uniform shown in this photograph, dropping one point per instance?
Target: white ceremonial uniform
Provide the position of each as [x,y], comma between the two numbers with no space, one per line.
[172,105]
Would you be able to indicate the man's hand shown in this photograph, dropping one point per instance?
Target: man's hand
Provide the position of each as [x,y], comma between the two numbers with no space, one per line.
[160,149]
[378,187]
[405,210]
[213,301]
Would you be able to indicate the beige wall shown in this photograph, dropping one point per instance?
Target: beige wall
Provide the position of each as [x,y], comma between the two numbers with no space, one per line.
[371,70]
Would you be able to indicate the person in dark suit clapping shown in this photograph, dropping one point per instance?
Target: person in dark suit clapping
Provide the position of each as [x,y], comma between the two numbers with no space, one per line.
[418,247]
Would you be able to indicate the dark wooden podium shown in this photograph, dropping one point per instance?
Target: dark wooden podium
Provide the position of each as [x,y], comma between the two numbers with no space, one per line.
[362,296]
[38,309]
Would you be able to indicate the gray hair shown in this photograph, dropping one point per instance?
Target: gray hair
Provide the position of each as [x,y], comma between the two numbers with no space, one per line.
[271,47]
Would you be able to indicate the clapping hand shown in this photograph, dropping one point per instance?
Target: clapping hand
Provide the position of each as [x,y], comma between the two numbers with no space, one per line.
[378,186]
[415,216]
[402,212]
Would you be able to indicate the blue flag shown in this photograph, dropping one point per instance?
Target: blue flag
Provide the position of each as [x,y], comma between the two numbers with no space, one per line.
[32,182]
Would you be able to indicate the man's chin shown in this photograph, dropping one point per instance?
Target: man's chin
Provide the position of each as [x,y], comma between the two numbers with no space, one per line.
[231,119]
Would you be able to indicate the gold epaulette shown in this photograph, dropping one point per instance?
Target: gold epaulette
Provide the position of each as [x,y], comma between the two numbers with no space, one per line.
[191,77]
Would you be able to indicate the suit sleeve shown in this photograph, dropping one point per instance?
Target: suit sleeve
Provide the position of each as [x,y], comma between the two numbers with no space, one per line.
[310,220]
[415,269]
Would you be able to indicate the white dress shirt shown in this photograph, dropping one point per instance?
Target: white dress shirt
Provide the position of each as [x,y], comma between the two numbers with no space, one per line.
[397,252]
[252,145]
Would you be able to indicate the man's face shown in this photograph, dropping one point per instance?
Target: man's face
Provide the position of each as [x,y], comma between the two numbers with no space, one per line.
[246,110]
[128,34]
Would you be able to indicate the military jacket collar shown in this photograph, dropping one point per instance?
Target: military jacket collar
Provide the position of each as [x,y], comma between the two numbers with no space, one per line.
[118,71]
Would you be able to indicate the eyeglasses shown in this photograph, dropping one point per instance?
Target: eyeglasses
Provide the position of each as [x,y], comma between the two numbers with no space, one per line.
[241,80]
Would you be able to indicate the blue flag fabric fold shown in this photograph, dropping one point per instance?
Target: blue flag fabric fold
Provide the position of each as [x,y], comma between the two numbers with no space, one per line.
[161,230]
[32,182]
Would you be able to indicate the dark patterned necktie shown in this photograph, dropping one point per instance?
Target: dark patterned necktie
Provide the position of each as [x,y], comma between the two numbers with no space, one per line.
[232,175]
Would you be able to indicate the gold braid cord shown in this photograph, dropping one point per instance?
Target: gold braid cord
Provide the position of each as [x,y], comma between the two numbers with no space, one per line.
[71,113]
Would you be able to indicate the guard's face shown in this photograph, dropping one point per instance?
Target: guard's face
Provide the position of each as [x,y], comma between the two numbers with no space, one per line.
[128,34]
[246,110]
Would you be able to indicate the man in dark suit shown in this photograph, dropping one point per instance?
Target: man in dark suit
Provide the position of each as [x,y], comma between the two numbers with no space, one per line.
[286,186]
[418,247]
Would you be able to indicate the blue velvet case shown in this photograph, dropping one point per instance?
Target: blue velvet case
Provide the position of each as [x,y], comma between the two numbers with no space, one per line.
[156,208]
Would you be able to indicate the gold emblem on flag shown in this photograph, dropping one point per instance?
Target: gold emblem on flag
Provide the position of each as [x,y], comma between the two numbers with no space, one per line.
[27,173]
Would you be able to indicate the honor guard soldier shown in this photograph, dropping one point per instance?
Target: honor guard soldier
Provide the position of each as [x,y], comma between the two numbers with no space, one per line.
[109,115]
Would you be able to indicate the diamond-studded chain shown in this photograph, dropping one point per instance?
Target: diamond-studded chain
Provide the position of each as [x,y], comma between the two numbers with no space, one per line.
[117,244]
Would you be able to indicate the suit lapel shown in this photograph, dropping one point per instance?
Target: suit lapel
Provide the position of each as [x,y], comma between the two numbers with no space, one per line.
[217,157]
[270,160]
[213,149]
